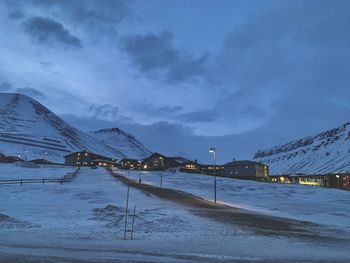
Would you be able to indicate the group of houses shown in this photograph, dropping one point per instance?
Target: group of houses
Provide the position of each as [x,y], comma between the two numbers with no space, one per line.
[333,180]
[158,162]
[245,169]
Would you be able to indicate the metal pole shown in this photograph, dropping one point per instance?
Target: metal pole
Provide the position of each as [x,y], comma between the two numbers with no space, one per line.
[126,212]
[215,176]
[161,179]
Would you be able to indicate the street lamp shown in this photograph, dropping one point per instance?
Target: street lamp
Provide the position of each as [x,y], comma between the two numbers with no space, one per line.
[338,180]
[213,151]
[161,172]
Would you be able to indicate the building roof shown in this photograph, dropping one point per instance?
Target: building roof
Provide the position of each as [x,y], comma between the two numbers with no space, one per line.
[180,159]
[103,160]
[243,162]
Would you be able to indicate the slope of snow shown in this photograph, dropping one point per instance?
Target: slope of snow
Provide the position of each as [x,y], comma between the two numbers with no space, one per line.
[84,221]
[318,205]
[125,142]
[327,152]
[31,131]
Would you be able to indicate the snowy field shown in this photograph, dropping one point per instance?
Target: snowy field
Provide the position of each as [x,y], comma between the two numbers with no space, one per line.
[84,220]
[32,171]
[307,203]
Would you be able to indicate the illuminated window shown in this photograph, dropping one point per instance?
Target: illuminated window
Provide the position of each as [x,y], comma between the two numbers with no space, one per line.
[78,154]
[86,154]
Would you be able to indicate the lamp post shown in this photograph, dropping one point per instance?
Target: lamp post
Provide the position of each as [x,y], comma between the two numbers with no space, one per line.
[161,173]
[338,180]
[213,151]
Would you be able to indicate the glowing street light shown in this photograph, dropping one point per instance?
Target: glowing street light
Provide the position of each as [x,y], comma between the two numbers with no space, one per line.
[213,151]
[338,180]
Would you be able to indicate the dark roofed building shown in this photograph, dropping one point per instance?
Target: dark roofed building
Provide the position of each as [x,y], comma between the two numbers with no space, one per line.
[158,161]
[245,170]
[85,158]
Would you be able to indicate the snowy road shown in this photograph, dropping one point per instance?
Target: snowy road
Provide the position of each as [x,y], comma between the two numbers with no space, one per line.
[83,220]
[306,203]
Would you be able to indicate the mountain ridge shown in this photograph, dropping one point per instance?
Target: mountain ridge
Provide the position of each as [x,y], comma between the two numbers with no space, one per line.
[324,152]
[30,130]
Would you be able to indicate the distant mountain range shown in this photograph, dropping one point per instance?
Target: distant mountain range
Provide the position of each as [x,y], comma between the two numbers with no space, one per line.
[326,152]
[29,130]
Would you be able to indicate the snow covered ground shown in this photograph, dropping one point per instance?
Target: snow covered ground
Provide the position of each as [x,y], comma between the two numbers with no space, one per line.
[318,205]
[84,220]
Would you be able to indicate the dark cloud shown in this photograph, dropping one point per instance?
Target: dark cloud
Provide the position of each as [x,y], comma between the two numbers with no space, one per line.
[45,64]
[169,109]
[15,15]
[31,92]
[157,54]
[89,12]
[47,31]
[5,86]
[287,66]
[106,112]
[98,17]
[197,116]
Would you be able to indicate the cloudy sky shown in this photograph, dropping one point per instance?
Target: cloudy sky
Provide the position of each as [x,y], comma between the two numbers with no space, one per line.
[184,75]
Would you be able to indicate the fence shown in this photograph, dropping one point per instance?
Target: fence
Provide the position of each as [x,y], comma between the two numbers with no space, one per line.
[65,179]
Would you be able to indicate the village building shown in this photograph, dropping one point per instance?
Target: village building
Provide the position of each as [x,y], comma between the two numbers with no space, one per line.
[245,170]
[340,180]
[85,158]
[158,161]
[191,167]
[130,164]
[210,169]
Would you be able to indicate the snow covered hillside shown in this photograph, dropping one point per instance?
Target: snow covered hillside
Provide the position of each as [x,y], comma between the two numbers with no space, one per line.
[326,152]
[119,139]
[84,220]
[30,130]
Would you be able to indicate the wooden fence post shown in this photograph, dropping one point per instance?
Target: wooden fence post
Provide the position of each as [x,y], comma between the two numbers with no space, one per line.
[126,212]
[133,221]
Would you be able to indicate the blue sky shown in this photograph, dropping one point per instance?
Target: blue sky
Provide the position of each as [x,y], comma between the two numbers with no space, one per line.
[183,76]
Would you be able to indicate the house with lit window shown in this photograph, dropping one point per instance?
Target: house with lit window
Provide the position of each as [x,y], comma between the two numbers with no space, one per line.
[246,170]
[158,161]
[85,158]
[191,167]
[341,180]
[129,164]
[211,169]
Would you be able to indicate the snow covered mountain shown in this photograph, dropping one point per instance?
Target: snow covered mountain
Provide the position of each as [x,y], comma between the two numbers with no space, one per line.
[119,139]
[31,131]
[326,152]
